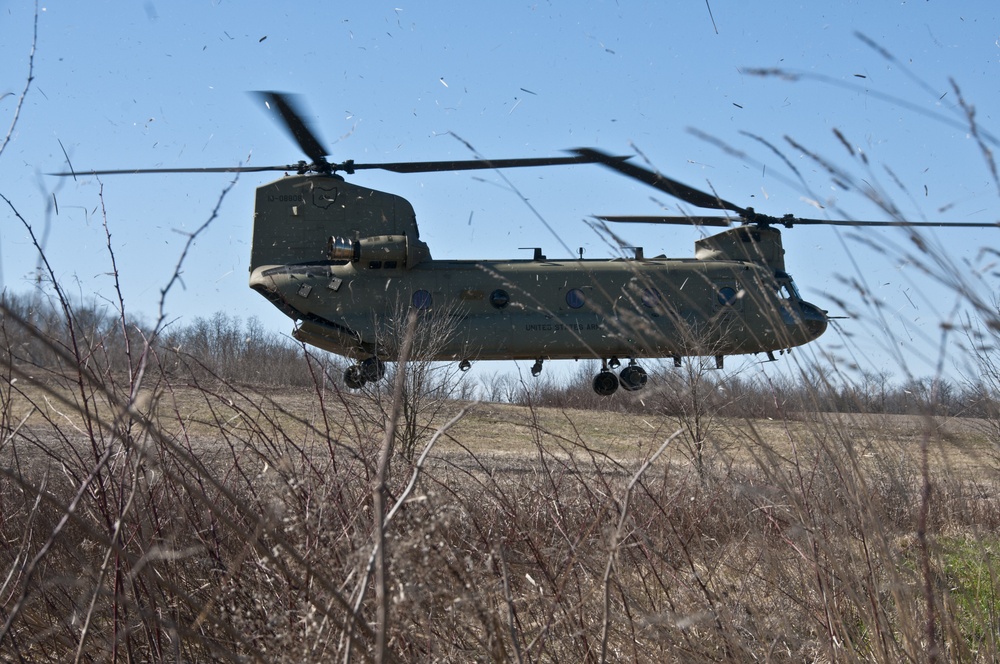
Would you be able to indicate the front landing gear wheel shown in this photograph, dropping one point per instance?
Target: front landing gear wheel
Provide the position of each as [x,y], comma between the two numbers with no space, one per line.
[354,378]
[633,377]
[605,383]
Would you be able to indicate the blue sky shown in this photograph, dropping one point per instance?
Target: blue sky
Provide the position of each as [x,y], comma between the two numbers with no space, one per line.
[164,84]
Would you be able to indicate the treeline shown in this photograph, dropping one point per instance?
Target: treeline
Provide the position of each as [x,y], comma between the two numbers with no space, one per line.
[243,351]
[672,391]
[39,333]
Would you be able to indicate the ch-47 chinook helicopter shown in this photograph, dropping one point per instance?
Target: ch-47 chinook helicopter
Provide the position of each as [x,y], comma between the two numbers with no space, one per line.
[343,261]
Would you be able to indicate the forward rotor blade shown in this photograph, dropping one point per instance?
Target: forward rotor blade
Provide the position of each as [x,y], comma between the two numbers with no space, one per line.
[477,164]
[793,221]
[787,222]
[679,221]
[296,125]
[661,182]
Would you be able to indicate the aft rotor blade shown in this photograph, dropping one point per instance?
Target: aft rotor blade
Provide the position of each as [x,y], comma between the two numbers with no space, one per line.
[477,164]
[661,182]
[296,125]
[216,169]
[679,221]
[350,166]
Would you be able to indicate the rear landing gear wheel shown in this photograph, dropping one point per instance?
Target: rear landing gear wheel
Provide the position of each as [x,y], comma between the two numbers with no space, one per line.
[371,370]
[605,383]
[354,378]
[633,377]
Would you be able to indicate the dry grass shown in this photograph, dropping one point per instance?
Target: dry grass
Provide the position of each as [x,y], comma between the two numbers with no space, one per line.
[221,523]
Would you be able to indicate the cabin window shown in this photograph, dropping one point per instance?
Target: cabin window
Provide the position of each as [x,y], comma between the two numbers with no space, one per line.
[499,298]
[727,295]
[575,299]
[650,297]
[421,299]
[375,265]
[390,265]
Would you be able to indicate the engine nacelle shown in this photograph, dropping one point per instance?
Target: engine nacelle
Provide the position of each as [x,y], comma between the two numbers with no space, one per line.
[378,251]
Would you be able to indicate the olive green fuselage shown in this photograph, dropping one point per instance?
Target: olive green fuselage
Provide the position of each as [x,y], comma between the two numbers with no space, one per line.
[346,263]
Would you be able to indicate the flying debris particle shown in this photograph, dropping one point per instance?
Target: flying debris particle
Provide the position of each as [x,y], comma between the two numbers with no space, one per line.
[529,91]
[737,105]
[518,103]
[442,81]
[860,76]
[926,193]
[470,213]
[262,39]
[942,96]
[55,203]
[68,162]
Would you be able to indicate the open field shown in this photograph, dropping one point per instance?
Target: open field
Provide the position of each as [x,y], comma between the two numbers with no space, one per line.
[215,522]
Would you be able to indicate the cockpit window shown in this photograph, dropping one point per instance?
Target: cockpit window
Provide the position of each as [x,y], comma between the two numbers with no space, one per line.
[787,289]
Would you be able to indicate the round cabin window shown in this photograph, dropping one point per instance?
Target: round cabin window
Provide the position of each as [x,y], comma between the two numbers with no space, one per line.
[499,298]
[421,299]
[575,299]
[727,295]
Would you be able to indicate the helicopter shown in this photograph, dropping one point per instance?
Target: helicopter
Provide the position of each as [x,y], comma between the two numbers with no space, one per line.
[346,264]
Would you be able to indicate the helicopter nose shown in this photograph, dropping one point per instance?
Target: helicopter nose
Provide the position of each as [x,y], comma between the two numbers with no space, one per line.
[805,321]
[812,318]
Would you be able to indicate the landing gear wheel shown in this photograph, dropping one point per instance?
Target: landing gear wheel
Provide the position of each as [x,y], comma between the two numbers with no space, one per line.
[371,370]
[354,378]
[536,368]
[605,383]
[633,377]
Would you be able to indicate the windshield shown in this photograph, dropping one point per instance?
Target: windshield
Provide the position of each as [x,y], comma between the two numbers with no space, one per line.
[786,287]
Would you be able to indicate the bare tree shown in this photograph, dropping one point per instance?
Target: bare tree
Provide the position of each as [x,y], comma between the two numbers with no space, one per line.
[428,386]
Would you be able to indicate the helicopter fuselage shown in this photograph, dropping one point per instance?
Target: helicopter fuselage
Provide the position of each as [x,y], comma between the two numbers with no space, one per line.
[346,263]
[543,309]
